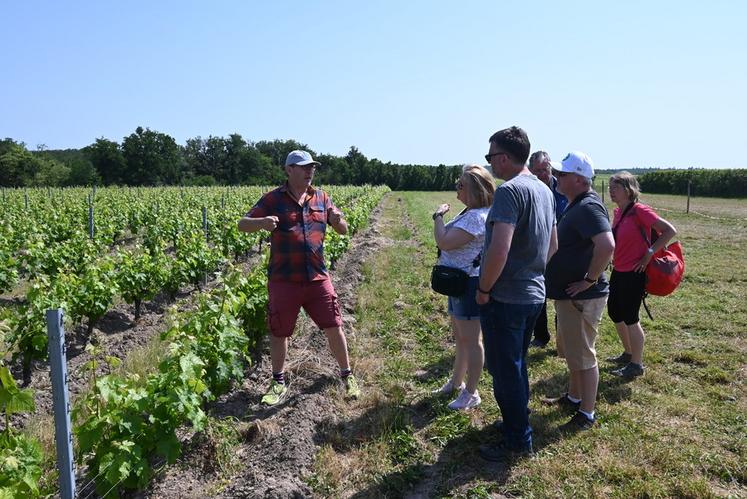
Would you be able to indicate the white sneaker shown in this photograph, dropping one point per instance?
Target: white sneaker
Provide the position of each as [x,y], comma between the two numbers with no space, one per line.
[465,400]
[447,388]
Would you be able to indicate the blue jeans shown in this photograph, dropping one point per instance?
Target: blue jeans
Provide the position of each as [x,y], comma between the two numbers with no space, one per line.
[506,331]
[465,307]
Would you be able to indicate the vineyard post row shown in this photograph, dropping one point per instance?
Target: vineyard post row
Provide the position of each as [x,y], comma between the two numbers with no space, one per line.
[188,367]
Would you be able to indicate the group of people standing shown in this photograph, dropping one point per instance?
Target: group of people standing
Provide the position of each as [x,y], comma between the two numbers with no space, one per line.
[547,235]
[541,234]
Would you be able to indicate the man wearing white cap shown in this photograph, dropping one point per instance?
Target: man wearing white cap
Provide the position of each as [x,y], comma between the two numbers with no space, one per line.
[576,281]
[297,215]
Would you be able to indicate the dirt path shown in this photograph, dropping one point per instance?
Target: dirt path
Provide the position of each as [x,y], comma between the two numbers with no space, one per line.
[278,444]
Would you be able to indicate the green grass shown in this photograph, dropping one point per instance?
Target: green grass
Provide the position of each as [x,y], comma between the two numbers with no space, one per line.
[679,431]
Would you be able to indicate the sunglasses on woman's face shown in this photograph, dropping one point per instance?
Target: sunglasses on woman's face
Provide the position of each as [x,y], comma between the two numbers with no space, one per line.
[459,185]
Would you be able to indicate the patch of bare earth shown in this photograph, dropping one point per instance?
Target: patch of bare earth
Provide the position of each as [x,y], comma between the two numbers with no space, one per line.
[278,445]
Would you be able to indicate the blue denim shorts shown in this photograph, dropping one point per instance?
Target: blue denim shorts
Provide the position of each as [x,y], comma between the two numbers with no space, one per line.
[465,307]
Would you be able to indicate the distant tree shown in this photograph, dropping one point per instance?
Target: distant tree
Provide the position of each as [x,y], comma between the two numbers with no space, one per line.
[358,164]
[50,173]
[235,149]
[277,149]
[152,158]
[108,161]
[20,167]
[257,169]
[82,172]
[193,154]
[11,163]
[215,157]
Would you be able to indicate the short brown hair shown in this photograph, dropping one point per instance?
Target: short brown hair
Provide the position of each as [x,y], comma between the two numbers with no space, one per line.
[514,142]
[627,181]
[480,185]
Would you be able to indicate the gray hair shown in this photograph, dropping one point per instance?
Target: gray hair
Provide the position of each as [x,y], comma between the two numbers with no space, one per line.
[538,157]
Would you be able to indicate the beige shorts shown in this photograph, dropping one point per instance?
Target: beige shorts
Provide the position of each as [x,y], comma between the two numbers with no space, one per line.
[578,321]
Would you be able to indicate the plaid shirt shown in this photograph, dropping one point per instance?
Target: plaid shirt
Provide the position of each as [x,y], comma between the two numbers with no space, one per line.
[297,244]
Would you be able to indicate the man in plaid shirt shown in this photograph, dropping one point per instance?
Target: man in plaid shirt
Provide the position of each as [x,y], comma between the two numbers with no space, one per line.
[297,215]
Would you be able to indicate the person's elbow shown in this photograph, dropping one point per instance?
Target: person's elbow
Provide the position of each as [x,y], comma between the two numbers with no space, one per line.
[499,252]
[607,247]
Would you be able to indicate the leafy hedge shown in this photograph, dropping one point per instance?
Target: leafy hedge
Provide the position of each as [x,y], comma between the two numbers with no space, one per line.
[707,183]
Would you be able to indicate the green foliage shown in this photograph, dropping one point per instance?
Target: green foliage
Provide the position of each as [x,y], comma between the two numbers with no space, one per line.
[28,326]
[152,158]
[708,183]
[124,422]
[20,456]
[140,275]
[91,293]
[8,267]
[20,466]
[108,160]
[148,157]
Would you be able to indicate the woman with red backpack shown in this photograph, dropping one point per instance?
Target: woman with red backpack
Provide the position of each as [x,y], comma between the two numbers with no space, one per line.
[633,223]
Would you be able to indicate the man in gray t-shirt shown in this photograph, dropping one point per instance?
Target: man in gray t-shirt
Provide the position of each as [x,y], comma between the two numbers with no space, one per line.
[520,233]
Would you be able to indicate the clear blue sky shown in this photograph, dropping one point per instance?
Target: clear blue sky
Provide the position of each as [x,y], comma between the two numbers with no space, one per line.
[634,83]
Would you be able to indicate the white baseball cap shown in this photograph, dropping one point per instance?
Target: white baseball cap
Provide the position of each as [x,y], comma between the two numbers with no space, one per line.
[575,162]
[300,158]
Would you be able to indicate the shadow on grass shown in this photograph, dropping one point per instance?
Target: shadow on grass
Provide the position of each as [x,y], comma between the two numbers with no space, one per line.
[612,389]
[439,369]
[458,462]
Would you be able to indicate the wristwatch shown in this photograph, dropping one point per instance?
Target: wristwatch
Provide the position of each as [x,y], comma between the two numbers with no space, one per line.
[436,215]
[589,279]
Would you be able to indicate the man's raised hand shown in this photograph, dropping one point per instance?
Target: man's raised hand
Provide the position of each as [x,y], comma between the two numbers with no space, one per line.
[270,223]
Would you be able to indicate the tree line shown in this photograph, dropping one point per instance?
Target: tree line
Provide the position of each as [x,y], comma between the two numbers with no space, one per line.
[150,158]
[730,183]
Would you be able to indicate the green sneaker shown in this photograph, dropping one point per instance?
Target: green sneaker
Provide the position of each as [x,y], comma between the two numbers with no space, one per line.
[275,393]
[351,387]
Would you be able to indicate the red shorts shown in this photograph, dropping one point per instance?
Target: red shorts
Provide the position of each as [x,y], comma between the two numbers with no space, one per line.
[286,298]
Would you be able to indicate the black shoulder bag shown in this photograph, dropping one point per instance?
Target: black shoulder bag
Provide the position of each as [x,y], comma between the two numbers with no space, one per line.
[450,281]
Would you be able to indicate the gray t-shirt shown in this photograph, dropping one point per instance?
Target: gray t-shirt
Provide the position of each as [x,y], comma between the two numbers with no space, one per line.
[583,219]
[527,204]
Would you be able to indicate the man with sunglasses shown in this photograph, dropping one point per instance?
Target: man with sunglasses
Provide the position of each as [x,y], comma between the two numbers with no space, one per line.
[297,215]
[539,166]
[519,237]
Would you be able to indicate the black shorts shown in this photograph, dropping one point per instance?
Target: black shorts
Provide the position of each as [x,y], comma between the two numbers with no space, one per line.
[626,295]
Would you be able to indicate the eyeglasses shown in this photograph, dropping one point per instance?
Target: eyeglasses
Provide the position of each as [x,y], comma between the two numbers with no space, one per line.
[561,174]
[310,167]
[458,185]
[490,155]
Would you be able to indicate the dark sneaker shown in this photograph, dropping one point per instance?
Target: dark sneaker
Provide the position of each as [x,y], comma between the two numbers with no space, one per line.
[621,359]
[579,422]
[563,401]
[501,452]
[630,371]
[538,343]
[498,423]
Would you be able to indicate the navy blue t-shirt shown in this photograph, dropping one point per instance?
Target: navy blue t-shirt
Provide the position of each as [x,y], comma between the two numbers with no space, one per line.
[583,219]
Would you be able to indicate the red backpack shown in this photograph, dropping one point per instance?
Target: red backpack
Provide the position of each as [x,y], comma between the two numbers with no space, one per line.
[665,270]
